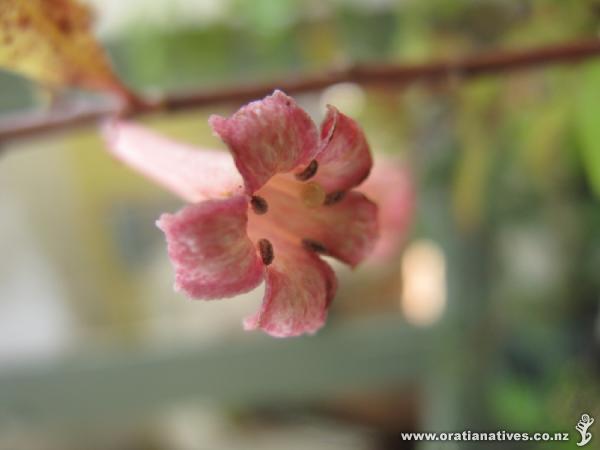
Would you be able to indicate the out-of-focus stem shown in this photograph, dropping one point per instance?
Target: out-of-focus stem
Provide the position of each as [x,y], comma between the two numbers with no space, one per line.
[390,74]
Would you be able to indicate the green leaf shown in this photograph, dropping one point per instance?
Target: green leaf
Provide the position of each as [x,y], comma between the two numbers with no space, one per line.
[588,123]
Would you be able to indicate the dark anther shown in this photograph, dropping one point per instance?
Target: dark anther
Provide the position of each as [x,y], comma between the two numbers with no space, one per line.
[259,204]
[313,246]
[266,251]
[309,172]
[334,197]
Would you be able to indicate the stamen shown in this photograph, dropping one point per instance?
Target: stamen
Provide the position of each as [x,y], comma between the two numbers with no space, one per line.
[313,246]
[259,204]
[309,172]
[334,197]
[266,251]
[312,194]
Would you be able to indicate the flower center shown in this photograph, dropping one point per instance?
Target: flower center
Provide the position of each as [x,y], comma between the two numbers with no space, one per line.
[312,194]
[282,208]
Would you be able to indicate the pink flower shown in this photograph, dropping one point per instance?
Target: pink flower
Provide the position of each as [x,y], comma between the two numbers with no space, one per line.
[289,200]
[391,187]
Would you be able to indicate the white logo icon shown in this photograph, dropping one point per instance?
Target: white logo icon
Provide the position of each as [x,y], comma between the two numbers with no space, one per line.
[584,423]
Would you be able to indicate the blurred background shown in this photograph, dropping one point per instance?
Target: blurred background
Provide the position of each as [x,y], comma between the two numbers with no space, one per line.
[484,317]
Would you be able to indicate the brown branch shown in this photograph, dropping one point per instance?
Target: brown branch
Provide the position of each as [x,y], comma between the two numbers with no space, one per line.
[376,74]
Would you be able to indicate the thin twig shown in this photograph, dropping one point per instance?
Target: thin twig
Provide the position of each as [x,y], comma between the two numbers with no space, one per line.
[372,74]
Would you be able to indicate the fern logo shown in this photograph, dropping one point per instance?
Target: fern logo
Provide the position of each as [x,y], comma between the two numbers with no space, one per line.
[582,426]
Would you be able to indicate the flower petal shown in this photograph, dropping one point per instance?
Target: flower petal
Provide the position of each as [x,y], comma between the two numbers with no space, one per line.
[299,289]
[192,174]
[345,159]
[268,136]
[391,186]
[210,250]
[346,230]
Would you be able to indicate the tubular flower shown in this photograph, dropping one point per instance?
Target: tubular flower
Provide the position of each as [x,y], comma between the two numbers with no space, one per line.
[267,213]
[391,186]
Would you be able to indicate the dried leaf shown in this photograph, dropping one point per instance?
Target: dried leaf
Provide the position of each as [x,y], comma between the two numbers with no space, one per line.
[51,42]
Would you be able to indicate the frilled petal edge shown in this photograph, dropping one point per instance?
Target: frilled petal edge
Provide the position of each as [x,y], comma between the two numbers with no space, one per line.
[299,289]
[210,250]
[190,173]
[266,137]
[345,157]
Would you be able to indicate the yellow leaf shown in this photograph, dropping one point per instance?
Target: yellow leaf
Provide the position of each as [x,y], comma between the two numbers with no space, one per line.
[51,42]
